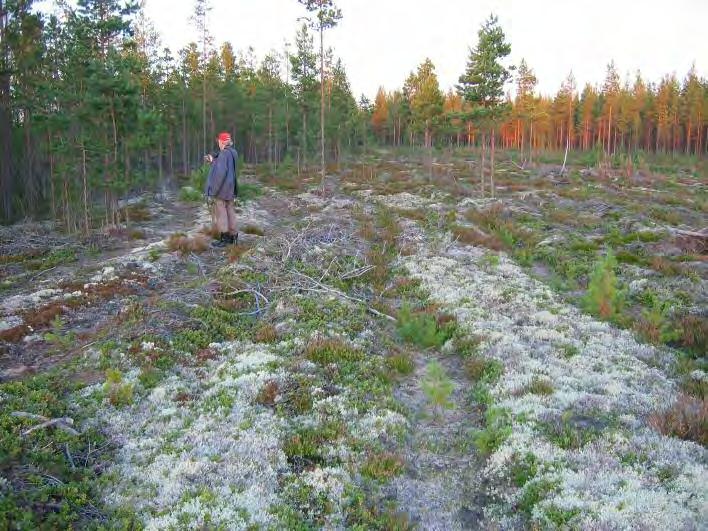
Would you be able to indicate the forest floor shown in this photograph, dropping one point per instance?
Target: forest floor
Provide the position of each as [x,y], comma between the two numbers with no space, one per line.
[400,351]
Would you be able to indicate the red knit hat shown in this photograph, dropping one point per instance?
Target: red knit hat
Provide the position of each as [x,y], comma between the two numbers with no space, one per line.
[224,137]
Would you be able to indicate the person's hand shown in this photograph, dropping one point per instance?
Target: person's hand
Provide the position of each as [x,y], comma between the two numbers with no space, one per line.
[209,201]
[208,158]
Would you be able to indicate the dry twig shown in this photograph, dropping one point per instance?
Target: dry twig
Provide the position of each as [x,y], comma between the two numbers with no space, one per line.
[63,423]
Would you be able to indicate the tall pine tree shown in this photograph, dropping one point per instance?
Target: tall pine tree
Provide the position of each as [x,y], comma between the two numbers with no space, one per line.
[482,85]
[327,15]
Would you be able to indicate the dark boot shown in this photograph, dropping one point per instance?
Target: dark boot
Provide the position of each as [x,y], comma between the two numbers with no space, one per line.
[233,239]
[223,240]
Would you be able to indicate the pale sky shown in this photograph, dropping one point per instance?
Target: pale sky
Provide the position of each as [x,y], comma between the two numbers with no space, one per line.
[381,41]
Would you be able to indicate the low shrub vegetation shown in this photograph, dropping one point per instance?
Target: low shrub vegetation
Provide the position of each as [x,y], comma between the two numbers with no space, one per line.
[425,329]
[401,363]
[50,477]
[497,429]
[382,466]
[686,419]
[189,194]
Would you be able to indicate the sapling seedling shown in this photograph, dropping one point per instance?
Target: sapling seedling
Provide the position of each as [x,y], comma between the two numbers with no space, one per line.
[437,387]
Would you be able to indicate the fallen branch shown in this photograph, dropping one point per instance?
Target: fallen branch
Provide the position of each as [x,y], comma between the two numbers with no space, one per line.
[255,293]
[523,164]
[43,272]
[328,289]
[326,272]
[702,234]
[69,456]
[356,273]
[63,423]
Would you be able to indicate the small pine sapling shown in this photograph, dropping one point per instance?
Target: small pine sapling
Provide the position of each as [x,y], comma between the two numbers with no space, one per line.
[437,386]
[603,298]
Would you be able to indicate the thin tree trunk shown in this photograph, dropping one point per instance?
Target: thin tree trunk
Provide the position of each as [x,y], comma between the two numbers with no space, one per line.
[51,175]
[565,158]
[304,137]
[184,138]
[322,106]
[270,135]
[204,126]
[32,192]
[481,166]
[491,160]
[171,148]
[6,162]
[159,160]
[609,132]
[85,186]
[688,137]
[65,201]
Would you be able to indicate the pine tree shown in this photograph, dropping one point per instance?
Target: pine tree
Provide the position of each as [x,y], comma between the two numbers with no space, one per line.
[21,55]
[525,87]
[665,112]
[588,101]
[303,72]
[637,106]
[624,115]
[426,100]
[343,110]
[611,94]
[452,109]
[200,18]
[380,116]
[271,89]
[483,83]
[327,16]
[692,102]
[569,88]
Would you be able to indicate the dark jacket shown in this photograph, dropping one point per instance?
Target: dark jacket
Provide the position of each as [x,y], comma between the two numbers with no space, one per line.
[222,182]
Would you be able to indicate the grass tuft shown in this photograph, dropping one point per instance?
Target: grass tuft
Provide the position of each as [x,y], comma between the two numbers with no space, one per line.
[540,386]
[266,333]
[252,229]
[188,244]
[401,363]
[118,393]
[326,351]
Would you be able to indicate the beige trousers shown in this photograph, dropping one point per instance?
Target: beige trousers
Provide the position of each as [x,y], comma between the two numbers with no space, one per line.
[225,216]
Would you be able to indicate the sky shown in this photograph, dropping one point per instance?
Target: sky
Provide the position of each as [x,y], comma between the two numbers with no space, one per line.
[382,41]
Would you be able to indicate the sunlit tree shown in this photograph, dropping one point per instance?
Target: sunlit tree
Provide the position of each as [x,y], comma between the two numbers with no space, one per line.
[484,81]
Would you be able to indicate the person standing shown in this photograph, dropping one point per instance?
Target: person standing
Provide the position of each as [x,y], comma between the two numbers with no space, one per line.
[222,189]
